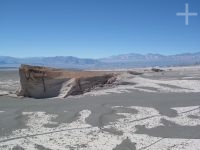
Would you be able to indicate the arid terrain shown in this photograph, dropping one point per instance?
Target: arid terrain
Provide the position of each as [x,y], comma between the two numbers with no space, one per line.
[151,110]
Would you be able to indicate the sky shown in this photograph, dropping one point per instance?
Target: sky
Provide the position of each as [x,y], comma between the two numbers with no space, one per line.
[97,28]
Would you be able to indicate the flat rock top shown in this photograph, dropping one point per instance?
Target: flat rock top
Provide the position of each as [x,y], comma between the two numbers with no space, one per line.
[61,73]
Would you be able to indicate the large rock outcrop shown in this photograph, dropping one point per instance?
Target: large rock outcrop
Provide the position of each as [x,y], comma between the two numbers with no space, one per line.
[43,82]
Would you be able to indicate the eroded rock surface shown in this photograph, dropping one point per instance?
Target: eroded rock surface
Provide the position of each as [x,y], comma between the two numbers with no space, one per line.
[43,82]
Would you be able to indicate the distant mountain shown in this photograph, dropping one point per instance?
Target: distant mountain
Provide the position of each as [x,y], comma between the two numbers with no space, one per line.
[58,61]
[118,61]
[150,60]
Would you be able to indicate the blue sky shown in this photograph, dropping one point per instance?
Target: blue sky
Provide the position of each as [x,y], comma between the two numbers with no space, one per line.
[97,28]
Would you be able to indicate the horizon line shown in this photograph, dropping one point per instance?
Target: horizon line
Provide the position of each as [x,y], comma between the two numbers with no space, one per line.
[101,57]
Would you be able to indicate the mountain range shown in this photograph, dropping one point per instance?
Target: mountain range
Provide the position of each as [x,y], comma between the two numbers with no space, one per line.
[117,61]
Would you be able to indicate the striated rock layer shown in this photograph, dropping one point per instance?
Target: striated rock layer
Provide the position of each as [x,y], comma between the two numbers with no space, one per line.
[44,82]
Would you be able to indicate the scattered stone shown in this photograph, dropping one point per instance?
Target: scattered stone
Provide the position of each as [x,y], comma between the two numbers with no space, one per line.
[126,145]
[134,72]
[157,70]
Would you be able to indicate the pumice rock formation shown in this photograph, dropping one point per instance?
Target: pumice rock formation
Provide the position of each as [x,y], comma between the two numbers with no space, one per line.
[44,82]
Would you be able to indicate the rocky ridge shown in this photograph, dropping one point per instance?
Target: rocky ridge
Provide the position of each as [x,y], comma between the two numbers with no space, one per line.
[45,82]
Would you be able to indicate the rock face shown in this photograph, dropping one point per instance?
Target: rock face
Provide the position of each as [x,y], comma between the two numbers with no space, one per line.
[43,82]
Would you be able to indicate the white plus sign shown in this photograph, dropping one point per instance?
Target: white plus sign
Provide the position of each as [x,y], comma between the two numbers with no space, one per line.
[186,14]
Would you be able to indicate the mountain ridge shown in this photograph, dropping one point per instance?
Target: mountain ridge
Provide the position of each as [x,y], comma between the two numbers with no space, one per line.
[116,61]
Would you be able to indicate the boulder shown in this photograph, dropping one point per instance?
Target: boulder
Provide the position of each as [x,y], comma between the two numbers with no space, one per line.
[157,70]
[45,82]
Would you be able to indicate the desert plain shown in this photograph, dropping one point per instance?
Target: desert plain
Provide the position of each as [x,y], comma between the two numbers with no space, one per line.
[153,111]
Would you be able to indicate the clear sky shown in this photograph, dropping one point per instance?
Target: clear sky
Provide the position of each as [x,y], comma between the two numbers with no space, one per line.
[97,28]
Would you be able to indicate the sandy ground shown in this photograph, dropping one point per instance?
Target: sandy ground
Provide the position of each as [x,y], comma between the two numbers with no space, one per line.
[159,111]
